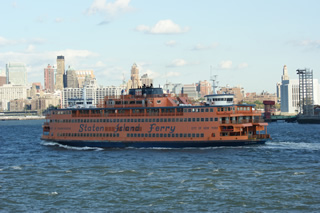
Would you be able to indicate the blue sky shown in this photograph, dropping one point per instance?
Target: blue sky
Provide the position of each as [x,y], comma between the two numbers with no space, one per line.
[245,42]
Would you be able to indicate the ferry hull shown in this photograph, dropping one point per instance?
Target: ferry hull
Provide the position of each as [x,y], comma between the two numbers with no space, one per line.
[157,144]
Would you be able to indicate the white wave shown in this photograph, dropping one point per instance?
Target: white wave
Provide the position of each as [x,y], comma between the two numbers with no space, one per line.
[293,145]
[72,147]
[299,173]
[16,167]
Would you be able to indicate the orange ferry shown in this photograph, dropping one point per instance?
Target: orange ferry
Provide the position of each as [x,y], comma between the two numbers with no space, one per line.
[148,118]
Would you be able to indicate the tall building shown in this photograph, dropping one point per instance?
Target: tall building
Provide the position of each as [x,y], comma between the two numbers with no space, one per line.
[10,92]
[289,92]
[204,88]
[3,78]
[190,90]
[134,81]
[49,78]
[172,88]
[146,81]
[71,78]
[60,72]
[16,73]
[82,74]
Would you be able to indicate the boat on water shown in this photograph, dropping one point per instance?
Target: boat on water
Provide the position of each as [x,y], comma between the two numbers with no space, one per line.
[146,117]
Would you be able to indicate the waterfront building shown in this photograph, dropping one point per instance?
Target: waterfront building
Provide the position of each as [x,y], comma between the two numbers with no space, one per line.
[289,93]
[49,78]
[17,105]
[16,73]
[44,102]
[92,91]
[60,73]
[263,96]
[190,90]
[10,92]
[146,81]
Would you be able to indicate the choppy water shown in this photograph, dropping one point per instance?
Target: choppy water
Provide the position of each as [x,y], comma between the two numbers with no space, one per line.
[283,175]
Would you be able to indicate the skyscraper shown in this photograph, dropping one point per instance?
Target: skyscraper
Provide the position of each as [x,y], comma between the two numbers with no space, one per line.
[134,81]
[71,78]
[49,78]
[60,72]
[16,73]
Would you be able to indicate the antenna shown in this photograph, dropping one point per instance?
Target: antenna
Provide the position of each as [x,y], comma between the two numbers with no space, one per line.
[215,83]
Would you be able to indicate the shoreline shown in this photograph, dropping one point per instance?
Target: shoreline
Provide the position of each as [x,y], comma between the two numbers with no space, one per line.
[20,118]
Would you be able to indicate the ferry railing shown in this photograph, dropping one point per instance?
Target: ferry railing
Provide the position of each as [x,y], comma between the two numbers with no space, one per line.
[261,136]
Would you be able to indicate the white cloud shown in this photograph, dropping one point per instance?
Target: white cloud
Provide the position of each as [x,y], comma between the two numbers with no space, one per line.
[162,27]
[243,65]
[177,63]
[58,20]
[4,41]
[171,43]
[205,47]
[30,48]
[173,74]
[109,9]
[225,64]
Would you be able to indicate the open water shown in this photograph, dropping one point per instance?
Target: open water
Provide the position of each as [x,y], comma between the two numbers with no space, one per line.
[282,175]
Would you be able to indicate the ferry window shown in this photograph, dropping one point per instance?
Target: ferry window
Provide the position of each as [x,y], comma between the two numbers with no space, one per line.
[202,110]
[221,109]
[157,120]
[218,109]
[104,120]
[215,119]
[202,119]
[157,135]
[198,135]
[198,119]
[193,135]
[138,120]
[211,109]
[158,101]
[189,110]
[165,135]
[90,134]
[169,135]
[185,110]
[131,135]
[189,135]
[153,120]
[161,135]
[142,120]
[107,120]
[185,135]
[104,134]
[193,119]
[114,120]
[181,119]
[124,120]
[165,120]
[153,135]
[139,135]
[229,109]
[97,120]
[117,120]
[177,135]
[121,120]
[142,135]
[132,120]
[226,109]
[202,135]
[110,135]
[207,119]
[135,120]
[128,135]
[248,108]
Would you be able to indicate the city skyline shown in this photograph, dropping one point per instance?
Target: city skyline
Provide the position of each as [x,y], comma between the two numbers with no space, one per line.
[245,43]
